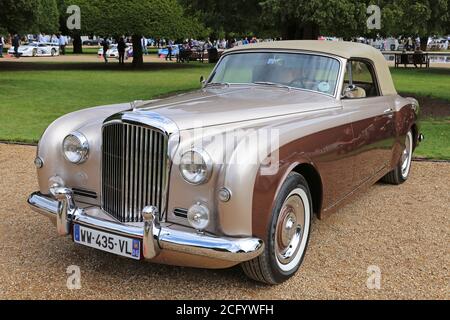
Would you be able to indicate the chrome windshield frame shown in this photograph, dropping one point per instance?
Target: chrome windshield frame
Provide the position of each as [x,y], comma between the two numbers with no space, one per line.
[339,59]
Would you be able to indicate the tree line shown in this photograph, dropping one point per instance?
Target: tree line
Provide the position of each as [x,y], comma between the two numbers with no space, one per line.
[181,19]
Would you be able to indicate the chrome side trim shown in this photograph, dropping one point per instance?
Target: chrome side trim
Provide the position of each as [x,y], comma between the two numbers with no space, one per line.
[157,237]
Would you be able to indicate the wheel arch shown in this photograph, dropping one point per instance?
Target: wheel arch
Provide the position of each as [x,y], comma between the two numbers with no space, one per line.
[312,177]
[415,132]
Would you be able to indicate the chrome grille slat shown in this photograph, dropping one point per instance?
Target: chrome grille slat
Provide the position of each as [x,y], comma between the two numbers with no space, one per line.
[134,173]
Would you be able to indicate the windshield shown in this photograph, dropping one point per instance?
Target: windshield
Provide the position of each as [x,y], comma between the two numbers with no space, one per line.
[301,71]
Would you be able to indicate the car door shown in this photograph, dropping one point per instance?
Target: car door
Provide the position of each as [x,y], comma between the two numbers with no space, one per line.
[42,50]
[372,118]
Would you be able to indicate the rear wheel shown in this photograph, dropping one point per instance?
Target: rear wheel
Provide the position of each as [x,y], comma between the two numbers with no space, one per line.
[53,52]
[287,235]
[34,53]
[401,173]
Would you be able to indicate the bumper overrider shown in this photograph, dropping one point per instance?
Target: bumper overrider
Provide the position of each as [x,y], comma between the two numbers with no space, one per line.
[155,237]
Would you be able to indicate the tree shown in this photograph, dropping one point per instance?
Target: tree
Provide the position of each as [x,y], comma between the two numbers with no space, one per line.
[156,18]
[29,16]
[48,18]
[422,18]
[307,19]
[224,18]
[293,19]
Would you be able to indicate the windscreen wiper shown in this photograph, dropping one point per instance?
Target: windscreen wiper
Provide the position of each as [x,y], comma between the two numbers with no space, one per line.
[273,84]
[217,84]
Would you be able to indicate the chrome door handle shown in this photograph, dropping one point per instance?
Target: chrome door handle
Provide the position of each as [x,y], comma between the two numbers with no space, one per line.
[389,111]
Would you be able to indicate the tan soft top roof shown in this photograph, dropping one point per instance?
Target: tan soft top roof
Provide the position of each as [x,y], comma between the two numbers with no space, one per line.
[342,49]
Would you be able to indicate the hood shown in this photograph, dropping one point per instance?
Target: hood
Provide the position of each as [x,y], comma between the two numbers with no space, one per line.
[211,107]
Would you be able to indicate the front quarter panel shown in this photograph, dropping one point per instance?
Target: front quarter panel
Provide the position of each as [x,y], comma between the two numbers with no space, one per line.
[86,175]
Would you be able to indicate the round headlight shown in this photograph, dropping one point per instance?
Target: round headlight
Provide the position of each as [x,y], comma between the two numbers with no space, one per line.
[75,148]
[196,167]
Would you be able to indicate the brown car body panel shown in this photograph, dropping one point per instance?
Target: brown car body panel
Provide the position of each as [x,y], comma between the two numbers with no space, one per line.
[338,155]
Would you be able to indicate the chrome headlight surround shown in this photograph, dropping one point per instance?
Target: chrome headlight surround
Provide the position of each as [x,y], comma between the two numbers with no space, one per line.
[75,148]
[196,166]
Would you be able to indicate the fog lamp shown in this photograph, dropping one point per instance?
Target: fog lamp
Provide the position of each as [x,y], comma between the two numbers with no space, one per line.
[198,216]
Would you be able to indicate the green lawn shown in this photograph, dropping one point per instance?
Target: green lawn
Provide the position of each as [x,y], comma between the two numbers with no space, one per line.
[433,83]
[30,100]
[437,140]
[86,50]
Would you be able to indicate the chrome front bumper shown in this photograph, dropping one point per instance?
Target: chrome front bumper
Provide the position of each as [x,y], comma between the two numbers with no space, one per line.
[155,237]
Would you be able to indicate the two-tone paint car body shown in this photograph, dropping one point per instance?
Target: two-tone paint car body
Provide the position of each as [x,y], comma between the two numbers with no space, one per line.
[242,202]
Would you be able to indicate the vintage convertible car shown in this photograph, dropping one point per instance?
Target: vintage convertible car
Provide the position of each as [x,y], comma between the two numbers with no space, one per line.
[37,49]
[234,172]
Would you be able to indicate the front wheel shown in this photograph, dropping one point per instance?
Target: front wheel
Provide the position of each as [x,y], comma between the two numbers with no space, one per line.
[287,235]
[401,173]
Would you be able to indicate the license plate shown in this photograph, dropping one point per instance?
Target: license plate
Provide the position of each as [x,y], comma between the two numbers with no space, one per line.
[122,246]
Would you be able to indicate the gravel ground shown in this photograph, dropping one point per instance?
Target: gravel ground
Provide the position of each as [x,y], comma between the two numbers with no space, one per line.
[402,230]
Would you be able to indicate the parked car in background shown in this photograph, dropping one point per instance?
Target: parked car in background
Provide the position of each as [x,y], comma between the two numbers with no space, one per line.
[35,49]
[164,51]
[92,42]
[114,53]
[182,181]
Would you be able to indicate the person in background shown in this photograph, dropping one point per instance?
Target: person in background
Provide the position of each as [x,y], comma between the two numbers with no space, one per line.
[169,50]
[62,44]
[105,45]
[2,44]
[121,46]
[201,51]
[144,45]
[410,46]
[16,45]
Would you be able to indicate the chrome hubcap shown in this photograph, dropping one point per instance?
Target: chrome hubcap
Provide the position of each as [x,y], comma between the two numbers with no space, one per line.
[406,157]
[289,230]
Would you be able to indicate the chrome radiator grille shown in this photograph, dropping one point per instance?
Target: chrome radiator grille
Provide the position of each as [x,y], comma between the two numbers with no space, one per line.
[135,167]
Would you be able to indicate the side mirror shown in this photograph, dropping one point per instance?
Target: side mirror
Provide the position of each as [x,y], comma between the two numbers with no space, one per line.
[203,81]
